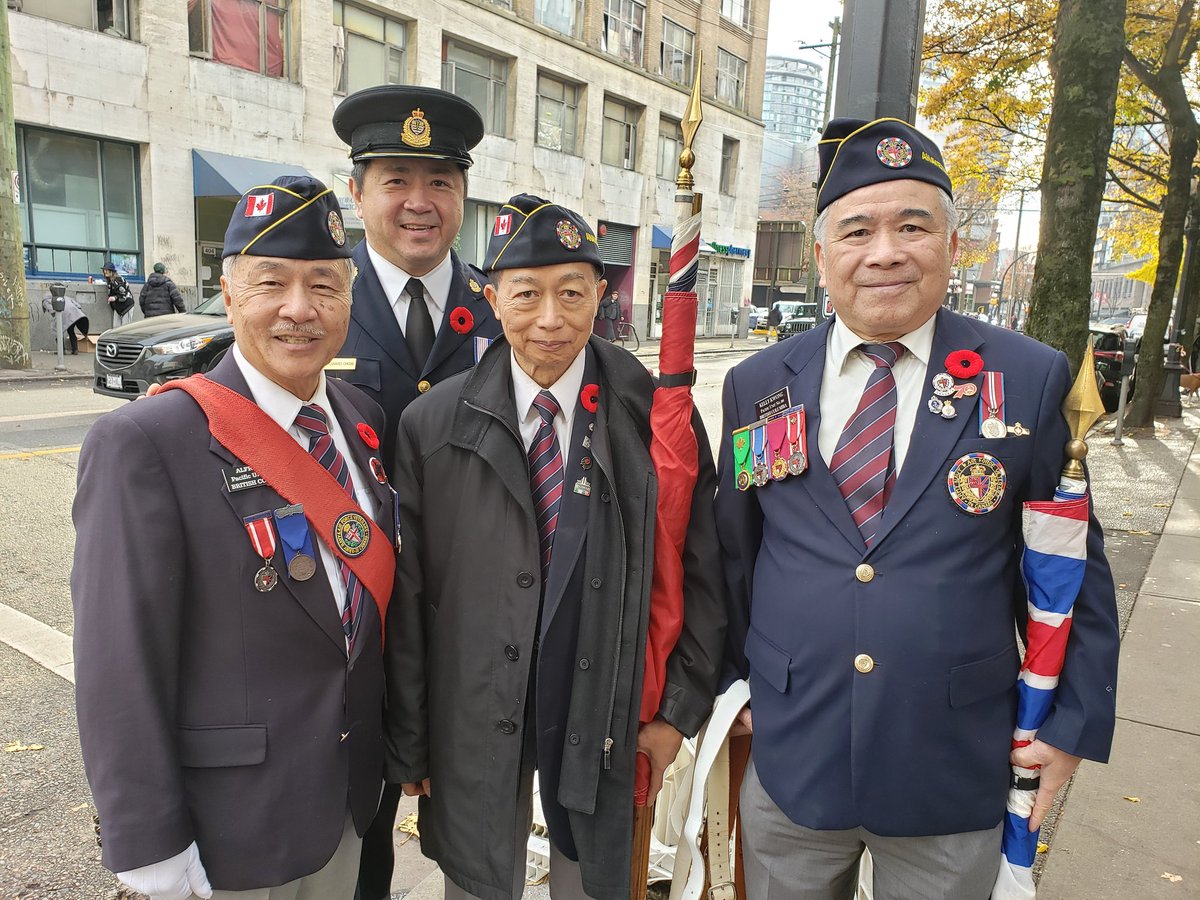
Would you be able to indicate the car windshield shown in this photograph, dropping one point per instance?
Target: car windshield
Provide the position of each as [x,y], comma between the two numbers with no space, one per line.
[213,306]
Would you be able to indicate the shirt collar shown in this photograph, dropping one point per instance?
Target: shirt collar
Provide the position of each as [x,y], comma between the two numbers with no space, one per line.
[843,342]
[278,402]
[394,280]
[565,390]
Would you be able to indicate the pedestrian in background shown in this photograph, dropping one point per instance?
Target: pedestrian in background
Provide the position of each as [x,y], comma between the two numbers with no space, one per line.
[73,320]
[610,313]
[774,317]
[120,297]
[160,296]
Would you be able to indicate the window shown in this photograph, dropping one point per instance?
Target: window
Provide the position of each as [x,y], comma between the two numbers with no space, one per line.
[624,24]
[557,113]
[109,16]
[564,16]
[479,78]
[678,48]
[370,49]
[731,78]
[79,203]
[249,34]
[670,145]
[618,144]
[729,162]
[736,11]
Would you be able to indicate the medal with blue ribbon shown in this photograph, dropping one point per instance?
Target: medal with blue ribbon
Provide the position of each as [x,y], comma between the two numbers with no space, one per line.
[296,540]
[758,443]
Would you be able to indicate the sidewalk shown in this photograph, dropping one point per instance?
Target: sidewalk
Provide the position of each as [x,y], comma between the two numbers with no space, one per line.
[1132,828]
[76,368]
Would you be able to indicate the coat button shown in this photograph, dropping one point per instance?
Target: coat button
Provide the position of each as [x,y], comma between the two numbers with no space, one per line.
[864,663]
[525,580]
[865,573]
[512,653]
[423,385]
[596,582]
[604,497]
[506,726]
[574,738]
[584,664]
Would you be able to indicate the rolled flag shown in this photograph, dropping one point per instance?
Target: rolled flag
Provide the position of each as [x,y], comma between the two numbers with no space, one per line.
[1053,566]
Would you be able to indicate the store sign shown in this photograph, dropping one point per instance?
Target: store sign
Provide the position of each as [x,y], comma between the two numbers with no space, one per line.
[730,250]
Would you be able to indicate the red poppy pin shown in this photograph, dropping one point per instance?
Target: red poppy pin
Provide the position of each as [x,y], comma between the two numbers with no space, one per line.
[461,320]
[964,363]
[590,396]
[367,433]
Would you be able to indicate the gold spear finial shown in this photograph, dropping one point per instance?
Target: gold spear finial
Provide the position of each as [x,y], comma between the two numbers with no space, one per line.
[692,118]
[1082,407]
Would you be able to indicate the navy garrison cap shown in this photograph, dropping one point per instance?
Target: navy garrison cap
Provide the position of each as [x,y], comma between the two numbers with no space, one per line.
[531,232]
[293,217]
[855,153]
[402,120]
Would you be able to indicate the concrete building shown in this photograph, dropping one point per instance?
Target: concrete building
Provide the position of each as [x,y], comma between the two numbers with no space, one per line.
[793,99]
[140,123]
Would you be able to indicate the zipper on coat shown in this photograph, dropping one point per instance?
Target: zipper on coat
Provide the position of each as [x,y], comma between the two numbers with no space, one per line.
[612,693]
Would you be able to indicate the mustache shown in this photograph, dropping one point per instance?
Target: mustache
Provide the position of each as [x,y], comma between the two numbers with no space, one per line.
[284,329]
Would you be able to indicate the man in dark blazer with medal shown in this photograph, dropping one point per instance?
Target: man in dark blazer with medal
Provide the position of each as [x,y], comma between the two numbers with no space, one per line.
[517,638]
[229,675]
[875,588]
[419,313]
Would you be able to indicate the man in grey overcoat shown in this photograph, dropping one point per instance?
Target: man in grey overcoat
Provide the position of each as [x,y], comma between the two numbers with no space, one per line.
[516,636]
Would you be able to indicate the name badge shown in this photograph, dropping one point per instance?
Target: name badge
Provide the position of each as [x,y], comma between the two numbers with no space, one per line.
[241,479]
[773,404]
[342,364]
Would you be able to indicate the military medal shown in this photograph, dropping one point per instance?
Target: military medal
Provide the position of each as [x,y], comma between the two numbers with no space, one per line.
[741,459]
[262,539]
[991,406]
[583,487]
[797,440]
[296,541]
[976,483]
[758,441]
[1017,429]
[781,448]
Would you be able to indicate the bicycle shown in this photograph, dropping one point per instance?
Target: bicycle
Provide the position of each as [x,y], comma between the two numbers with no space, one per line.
[624,331]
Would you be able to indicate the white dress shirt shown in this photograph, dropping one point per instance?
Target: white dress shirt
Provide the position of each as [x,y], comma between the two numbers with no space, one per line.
[846,372]
[282,406]
[394,282]
[566,393]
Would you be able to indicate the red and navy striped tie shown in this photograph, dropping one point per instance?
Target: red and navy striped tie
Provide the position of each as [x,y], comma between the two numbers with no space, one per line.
[546,475]
[862,463]
[321,447]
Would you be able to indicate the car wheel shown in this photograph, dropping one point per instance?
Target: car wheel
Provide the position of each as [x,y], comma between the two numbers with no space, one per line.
[212,363]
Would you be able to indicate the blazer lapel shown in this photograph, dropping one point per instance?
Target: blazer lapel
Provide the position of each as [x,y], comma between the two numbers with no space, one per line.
[349,418]
[933,437]
[461,294]
[807,361]
[372,310]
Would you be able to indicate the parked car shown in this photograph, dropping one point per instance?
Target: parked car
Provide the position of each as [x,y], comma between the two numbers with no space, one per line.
[1109,349]
[795,319]
[1137,325]
[151,351]
[758,316]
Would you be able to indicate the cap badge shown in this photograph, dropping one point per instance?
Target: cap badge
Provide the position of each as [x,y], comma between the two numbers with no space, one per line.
[474,286]
[337,230]
[416,130]
[568,234]
[259,205]
[894,152]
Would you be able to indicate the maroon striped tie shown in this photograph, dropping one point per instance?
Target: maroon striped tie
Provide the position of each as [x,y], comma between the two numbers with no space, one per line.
[546,475]
[862,464]
[321,447]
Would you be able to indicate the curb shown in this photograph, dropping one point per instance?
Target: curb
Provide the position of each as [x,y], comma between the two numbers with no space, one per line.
[43,377]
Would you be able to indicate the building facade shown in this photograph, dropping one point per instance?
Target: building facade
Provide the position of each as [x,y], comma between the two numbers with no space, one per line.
[140,123]
[793,99]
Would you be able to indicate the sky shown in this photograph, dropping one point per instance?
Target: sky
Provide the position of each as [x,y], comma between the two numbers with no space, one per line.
[796,22]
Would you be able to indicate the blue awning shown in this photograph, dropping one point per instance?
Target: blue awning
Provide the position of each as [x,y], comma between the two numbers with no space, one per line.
[221,175]
[660,238]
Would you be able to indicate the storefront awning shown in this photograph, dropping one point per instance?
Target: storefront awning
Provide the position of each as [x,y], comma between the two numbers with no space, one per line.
[660,238]
[221,175]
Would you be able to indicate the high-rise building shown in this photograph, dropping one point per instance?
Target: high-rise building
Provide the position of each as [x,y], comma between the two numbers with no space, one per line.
[793,98]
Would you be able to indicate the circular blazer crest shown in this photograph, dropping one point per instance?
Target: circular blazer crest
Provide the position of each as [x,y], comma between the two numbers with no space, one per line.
[976,483]
[894,152]
[352,533]
[416,131]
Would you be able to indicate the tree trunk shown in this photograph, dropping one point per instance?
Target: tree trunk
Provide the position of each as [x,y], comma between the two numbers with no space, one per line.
[14,314]
[1086,61]
[1182,133]
[1191,300]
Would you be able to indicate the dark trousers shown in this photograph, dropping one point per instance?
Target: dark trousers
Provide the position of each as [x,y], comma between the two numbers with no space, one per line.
[82,326]
[378,852]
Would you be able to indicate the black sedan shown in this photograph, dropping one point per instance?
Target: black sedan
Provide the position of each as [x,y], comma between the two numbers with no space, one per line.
[151,351]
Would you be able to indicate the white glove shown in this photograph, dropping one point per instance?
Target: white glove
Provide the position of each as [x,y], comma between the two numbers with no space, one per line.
[176,878]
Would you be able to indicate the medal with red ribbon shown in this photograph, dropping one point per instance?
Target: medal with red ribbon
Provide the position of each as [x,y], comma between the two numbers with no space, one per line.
[797,439]
[261,529]
[991,406]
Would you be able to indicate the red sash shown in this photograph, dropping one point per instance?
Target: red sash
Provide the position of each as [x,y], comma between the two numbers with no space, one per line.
[254,437]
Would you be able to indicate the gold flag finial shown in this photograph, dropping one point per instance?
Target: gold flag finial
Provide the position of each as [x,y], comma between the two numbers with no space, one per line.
[692,118]
[1082,407]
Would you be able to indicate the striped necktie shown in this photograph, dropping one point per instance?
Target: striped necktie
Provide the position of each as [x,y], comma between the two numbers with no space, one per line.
[313,419]
[862,463]
[546,475]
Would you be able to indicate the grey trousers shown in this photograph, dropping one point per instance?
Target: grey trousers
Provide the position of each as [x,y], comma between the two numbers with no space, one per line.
[333,881]
[786,861]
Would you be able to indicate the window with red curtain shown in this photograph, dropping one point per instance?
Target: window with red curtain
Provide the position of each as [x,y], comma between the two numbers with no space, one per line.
[249,34]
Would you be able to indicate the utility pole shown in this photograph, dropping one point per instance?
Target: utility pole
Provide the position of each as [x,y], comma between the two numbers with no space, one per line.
[810,284]
[881,59]
[1004,317]
[14,312]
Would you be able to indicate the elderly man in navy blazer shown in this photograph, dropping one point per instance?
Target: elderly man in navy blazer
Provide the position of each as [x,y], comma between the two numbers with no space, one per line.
[869,504]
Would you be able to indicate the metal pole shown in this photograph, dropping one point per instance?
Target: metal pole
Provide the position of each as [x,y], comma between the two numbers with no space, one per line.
[810,284]
[1121,410]
[881,59]
[1016,256]
[58,325]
